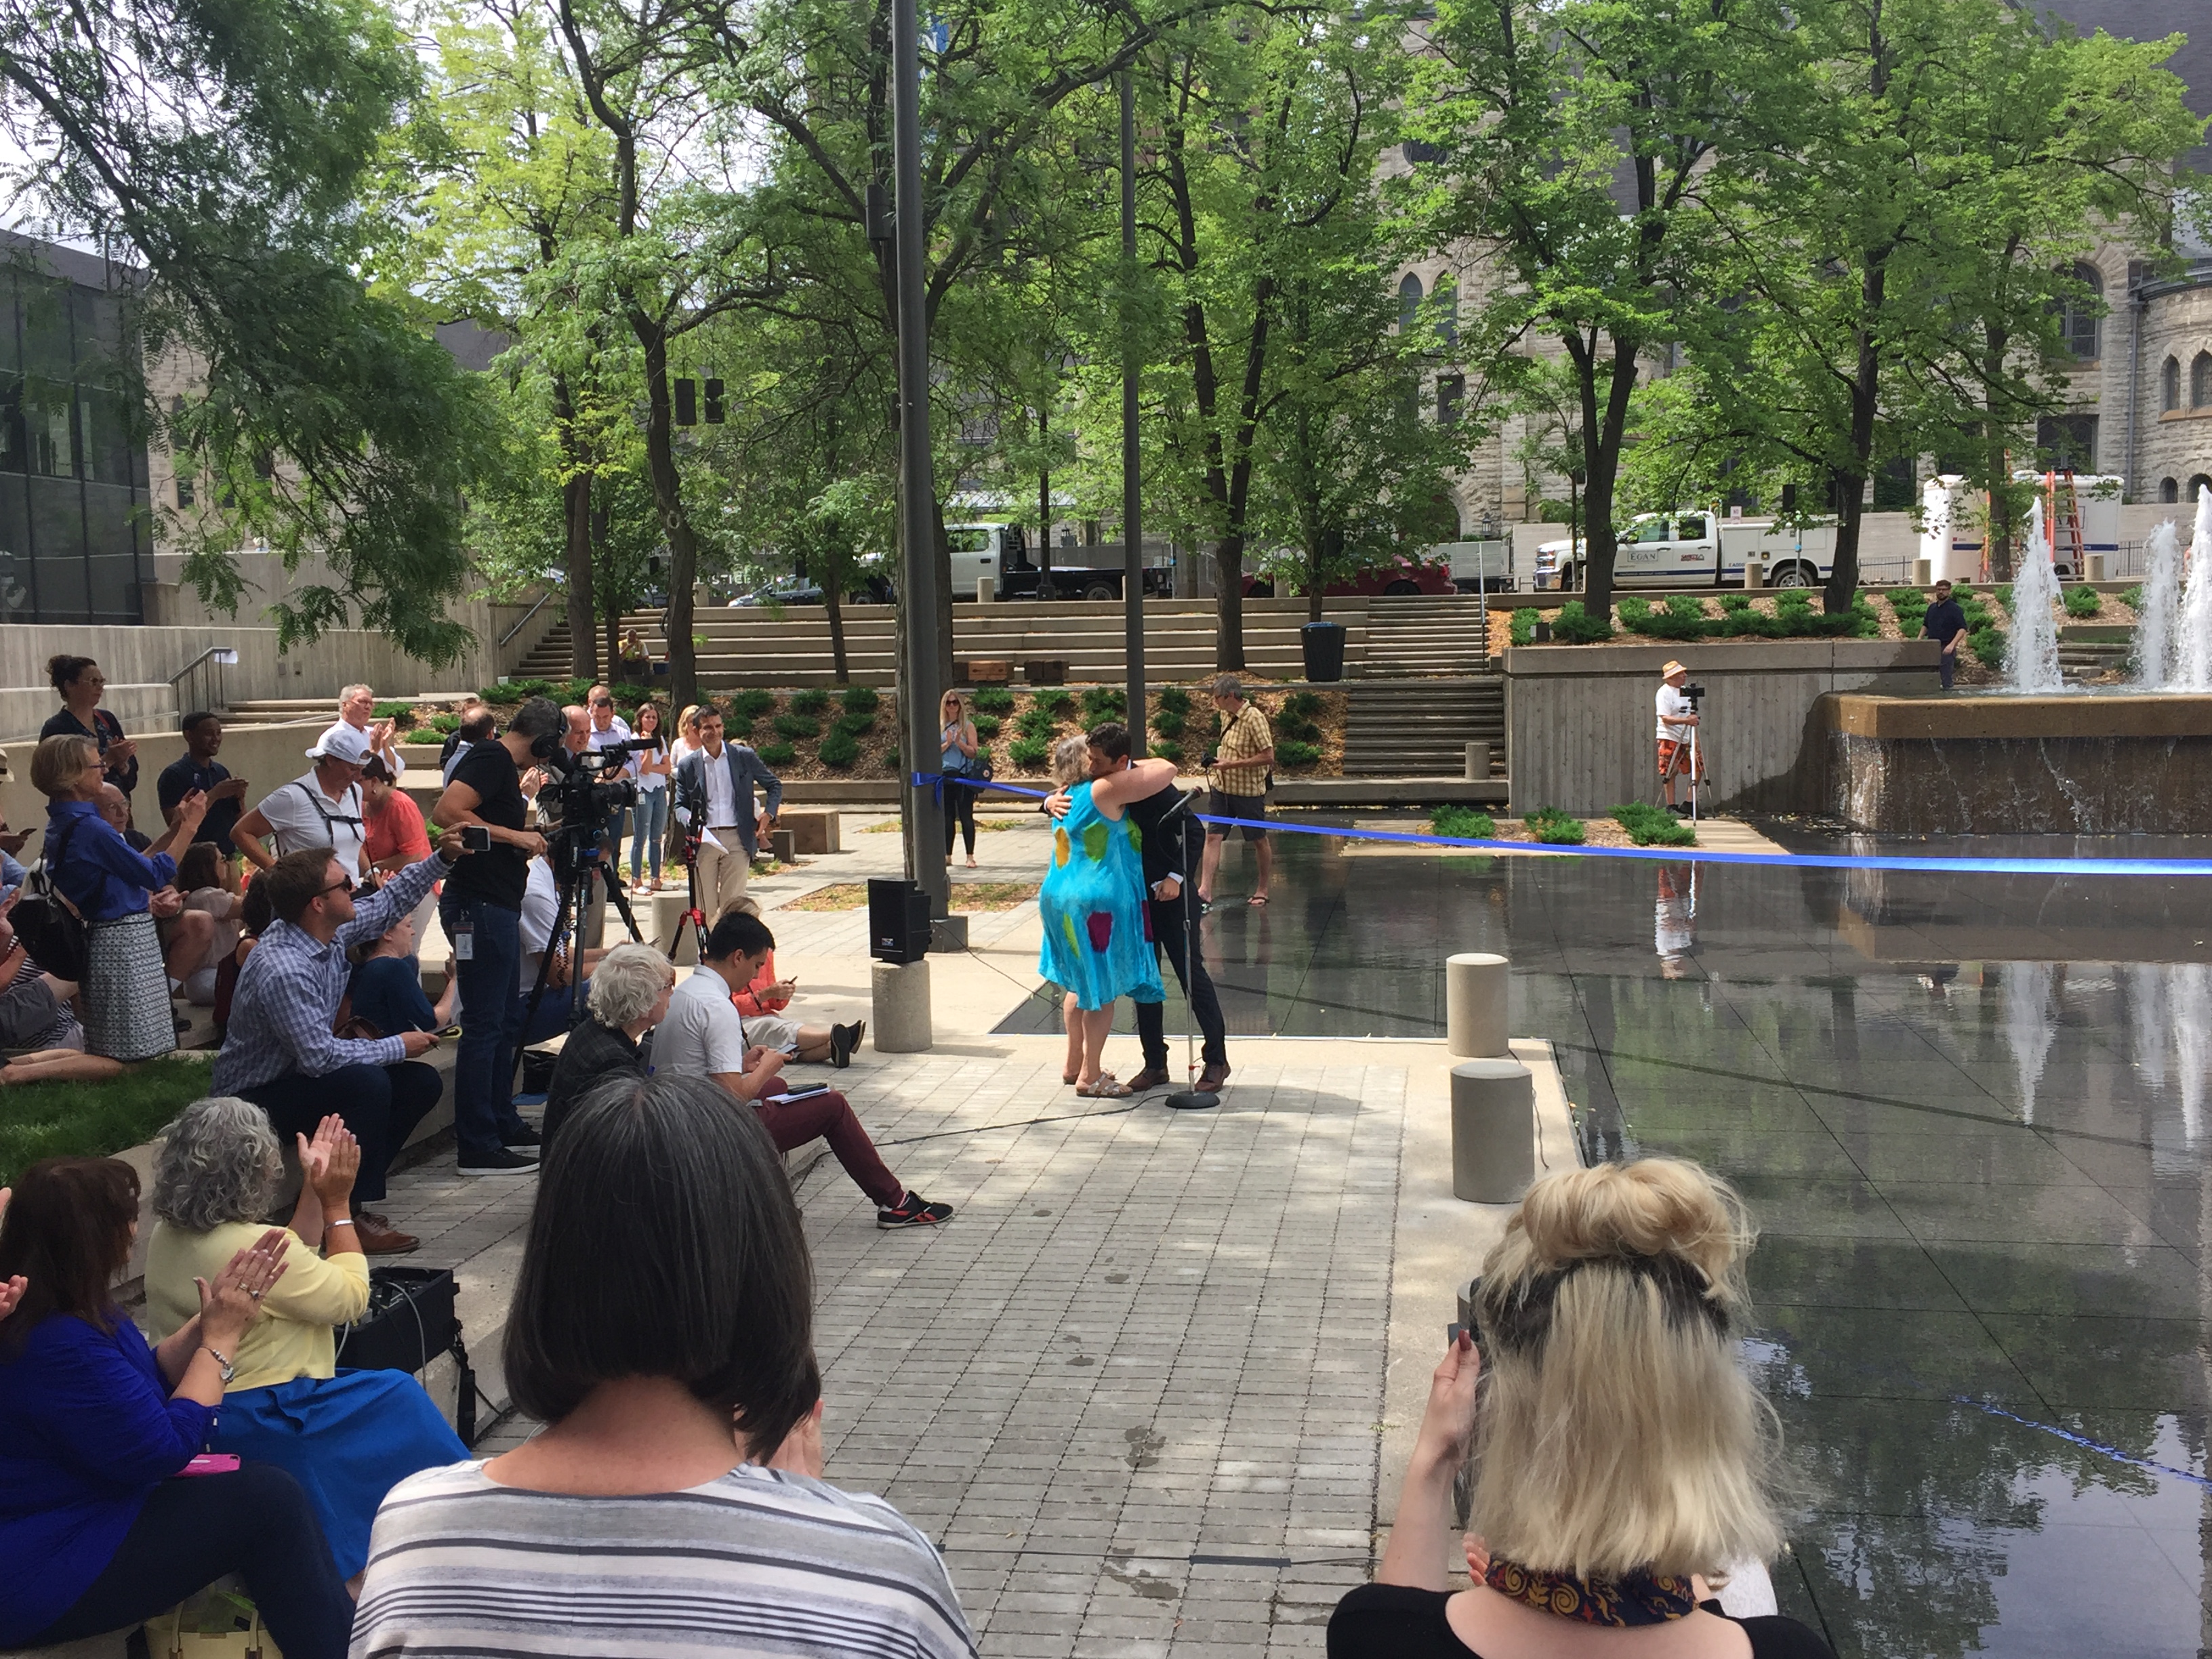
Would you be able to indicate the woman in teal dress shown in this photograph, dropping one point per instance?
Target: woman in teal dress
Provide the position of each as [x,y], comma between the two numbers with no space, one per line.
[1098,927]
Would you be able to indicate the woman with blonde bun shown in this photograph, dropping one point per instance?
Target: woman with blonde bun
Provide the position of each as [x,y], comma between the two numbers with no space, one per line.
[1621,1458]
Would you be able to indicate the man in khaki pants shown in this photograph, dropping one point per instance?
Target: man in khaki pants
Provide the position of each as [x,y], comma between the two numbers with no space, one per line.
[716,781]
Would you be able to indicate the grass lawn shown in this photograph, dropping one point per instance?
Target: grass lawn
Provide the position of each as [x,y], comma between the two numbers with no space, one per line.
[91,1120]
[966,896]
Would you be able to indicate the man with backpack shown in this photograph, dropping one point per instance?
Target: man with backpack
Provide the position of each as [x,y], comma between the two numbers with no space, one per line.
[321,808]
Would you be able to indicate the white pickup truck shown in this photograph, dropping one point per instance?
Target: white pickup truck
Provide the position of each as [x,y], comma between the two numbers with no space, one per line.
[1695,547]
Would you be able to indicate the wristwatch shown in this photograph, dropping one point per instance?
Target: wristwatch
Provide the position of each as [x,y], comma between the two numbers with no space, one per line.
[230,1370]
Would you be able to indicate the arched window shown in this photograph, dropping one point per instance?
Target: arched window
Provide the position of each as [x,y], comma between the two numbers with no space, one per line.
[1409,301]
[2200,380]
[2200,482]
[2169,490]
[1445,296]
[2081,312]
[2169,385]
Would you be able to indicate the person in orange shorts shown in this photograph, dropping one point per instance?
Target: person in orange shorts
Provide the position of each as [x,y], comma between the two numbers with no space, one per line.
[1678,722]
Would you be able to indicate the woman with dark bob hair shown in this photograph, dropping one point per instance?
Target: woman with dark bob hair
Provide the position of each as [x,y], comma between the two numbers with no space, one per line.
[662,1328]
[97,1532]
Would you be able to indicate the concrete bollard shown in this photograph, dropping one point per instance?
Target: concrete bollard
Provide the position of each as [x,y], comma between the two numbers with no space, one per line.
[898,1021]
[1923,571]
[1754,572]
[1474,1004]
[2097,564]
[1478,761]
[664,916]
[1493,1106]
[985,587]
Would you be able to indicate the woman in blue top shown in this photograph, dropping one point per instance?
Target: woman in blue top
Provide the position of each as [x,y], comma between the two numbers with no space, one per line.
[1097,926]
[97,1531]
[386,987]
[125,986]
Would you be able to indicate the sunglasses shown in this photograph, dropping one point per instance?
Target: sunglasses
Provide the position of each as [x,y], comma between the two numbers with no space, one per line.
[343,884]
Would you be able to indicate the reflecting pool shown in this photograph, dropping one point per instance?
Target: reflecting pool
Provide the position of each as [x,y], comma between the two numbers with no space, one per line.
[1969,1112]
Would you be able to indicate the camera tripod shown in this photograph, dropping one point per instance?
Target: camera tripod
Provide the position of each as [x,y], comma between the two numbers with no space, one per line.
[574,868]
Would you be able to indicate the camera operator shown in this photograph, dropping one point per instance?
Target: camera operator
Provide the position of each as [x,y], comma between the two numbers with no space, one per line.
[481,911]
[1678,722]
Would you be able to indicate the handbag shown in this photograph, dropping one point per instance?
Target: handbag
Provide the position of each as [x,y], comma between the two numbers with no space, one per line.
[51,928]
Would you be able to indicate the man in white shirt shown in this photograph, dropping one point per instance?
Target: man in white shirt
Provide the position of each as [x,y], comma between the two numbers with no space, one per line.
[703,1035]
[357,709]
[1678,719]
[322,808]
[541,900]
[717,780]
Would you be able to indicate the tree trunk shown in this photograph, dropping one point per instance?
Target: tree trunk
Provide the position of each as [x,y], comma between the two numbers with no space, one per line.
[668,497]
[833,602]
[1043,559]
[1866,378]
[576,522]
[1229,603]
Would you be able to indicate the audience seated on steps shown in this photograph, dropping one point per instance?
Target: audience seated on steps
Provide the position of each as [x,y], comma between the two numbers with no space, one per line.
[37,1015]
[207,881]
[347,1438]
[628,996]
[1621,1455]
[385,990]
[108,1515]
[279,1050]
[702,1036]
[675,1503]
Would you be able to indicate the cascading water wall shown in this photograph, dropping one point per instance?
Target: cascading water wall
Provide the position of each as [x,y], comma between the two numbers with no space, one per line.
[2158,618]
[2192,647]
[2034,657]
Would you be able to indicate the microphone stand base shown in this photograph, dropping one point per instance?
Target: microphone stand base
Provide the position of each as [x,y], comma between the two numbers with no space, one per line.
[1192,1100]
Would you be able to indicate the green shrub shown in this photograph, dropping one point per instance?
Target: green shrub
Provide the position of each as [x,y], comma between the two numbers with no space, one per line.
[1522,630]
[753,703]
[1169,750]
[1035,724]
[2003,591]
[987,726]
[2082,602]
[2132,597]
[1988,646]
[1909,607]
[1463,823]
[630,695]
[1731,603]
[401,715]
[1029,754]
[1575,626]
[1554,828]
[738,728]
[1289,753]
[778,754]
[500,696]
[1167,723]
[1301,705]
[1292,731]
[797,726]
[861,699]
[810,702]
[1684,618]
[853,724]
[1101,703]
[1653,826]
[1054,701]
[991,699]
[521,690]
[839,748]
[444,725]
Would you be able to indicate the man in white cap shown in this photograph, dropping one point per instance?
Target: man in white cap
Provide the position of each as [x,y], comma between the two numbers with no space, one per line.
[357,709]
[1678,719]
[321,808]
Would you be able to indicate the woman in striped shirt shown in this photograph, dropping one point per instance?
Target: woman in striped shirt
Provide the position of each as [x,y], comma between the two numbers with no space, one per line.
[662,1328]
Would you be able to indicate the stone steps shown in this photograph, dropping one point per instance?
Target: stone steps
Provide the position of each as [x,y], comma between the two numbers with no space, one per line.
[1421,728]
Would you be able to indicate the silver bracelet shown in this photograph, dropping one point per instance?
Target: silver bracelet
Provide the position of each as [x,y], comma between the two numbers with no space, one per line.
[343,1221]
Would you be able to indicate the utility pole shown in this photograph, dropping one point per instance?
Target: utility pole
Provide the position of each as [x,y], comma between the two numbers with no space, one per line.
[1133,478]
[924,818]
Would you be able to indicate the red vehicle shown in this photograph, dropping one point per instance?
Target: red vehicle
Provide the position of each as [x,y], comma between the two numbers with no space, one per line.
[1395,576]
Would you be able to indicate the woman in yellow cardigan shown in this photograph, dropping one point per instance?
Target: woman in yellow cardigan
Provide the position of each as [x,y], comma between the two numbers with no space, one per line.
[347,1436]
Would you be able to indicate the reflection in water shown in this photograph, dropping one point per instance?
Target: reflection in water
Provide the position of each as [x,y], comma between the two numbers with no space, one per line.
[2029,1026]
[1674,920]
[2170,1008]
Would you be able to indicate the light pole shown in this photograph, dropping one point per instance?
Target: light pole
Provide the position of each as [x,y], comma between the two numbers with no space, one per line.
[918,665]
[1133,479]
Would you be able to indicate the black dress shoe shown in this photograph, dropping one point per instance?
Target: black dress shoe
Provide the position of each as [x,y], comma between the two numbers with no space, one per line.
[1152,1077]
[843,1040]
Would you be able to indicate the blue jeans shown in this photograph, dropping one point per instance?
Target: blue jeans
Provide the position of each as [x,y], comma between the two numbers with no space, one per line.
[553,1011]
[650,816]
[491,1021]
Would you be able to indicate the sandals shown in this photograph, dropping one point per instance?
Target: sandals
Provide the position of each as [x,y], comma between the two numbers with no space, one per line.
[1108,1087]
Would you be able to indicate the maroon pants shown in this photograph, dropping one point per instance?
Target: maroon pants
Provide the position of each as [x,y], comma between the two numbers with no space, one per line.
[828,1116]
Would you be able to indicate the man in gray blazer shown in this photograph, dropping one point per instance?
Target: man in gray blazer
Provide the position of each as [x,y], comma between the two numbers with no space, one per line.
[715,782]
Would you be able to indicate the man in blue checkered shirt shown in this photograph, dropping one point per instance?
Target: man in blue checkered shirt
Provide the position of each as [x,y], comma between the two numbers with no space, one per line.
[279,1051]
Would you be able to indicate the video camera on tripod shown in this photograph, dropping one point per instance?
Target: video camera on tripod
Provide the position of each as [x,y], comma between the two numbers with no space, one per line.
[584,791]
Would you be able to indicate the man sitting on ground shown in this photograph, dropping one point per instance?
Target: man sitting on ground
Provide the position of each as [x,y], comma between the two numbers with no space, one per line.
[761,1003]
[703,1036]
[278,1050]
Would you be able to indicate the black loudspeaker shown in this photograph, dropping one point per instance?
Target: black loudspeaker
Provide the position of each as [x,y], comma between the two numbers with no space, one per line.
[898,920]
[409,1321]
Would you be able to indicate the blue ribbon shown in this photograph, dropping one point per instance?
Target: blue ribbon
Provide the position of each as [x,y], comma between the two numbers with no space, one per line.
[1663,855]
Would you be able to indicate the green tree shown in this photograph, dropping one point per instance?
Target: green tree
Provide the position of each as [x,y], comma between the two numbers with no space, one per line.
[224,144]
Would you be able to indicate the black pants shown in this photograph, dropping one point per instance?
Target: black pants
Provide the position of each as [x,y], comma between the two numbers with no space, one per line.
[959,809]
[254,1522]
[1170,926]
[381,1104]
[1946,664]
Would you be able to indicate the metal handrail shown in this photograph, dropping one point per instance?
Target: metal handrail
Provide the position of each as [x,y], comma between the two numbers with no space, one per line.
[223,656]
[543,600]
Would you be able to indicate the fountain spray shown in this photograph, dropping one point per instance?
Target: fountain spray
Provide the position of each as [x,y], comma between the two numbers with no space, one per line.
[2158,615]
[2034,656]
[2192,649]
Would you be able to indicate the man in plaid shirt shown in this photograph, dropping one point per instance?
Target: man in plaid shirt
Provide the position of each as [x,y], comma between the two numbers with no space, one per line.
[1237,775]
[279,1051]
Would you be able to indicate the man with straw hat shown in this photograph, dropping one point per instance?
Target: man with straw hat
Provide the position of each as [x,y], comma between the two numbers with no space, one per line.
[1678,746]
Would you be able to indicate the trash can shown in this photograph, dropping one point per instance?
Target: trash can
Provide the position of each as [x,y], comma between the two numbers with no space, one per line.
[1323,644]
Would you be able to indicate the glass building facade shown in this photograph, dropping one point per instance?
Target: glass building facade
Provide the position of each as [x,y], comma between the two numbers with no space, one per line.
[76,536]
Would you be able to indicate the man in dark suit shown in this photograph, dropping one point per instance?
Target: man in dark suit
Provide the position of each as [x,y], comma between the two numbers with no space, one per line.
[1174,842]
[714,783]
